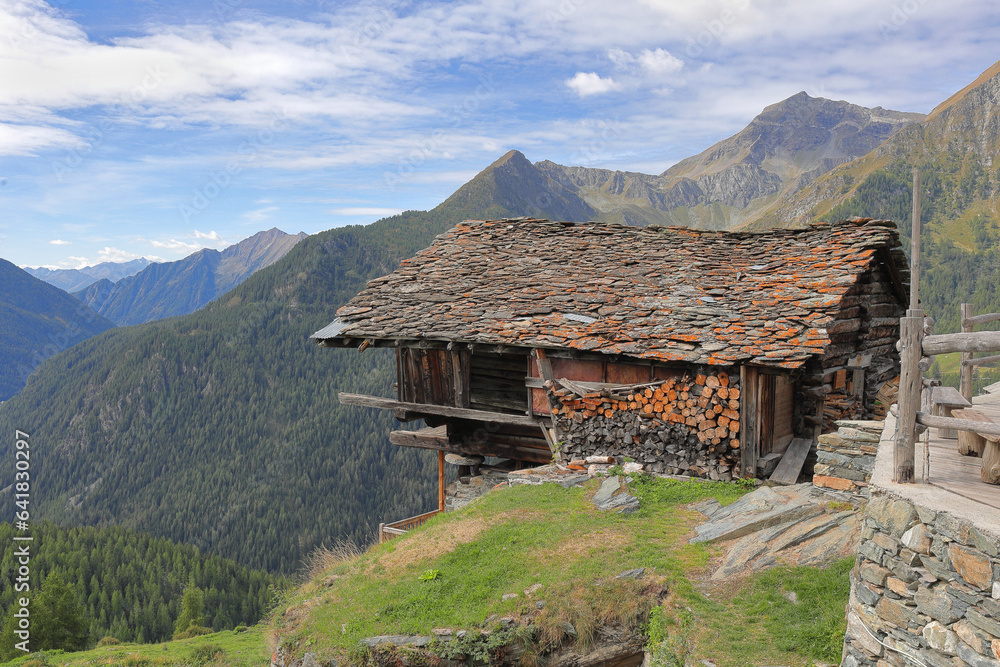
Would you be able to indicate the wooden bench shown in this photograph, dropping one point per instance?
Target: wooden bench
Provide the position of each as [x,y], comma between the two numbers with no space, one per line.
[944,401]
[971,443]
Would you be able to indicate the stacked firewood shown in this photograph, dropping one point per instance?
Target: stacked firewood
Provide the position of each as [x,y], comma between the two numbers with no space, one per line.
[839,406]
[683,425]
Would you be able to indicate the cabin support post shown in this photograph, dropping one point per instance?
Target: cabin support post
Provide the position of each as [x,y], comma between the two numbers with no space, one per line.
[440,480]
[749,427]
[965,370]
[911,331]
[545,370]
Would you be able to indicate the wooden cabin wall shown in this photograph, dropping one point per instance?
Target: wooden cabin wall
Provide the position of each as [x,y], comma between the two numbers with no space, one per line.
[497,381]
[868,324]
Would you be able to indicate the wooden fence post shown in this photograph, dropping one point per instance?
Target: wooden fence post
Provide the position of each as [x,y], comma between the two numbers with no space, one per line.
[965,369]
[911,332]
[441,480]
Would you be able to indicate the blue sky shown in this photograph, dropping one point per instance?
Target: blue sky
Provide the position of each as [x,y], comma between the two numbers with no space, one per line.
[155,128]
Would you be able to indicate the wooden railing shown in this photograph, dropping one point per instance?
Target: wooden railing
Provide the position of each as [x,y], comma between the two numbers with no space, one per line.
[387,531]
[916,348]
[969,323]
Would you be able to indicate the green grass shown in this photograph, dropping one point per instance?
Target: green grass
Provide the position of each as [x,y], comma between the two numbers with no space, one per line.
[221,649]
[946,368]
[742,625]
[546,544]
[507,542]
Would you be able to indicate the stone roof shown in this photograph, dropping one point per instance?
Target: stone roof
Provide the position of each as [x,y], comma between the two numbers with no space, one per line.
[672,294]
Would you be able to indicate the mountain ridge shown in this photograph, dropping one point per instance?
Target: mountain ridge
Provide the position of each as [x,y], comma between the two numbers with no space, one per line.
[74,280]
[37,321]
[170,289]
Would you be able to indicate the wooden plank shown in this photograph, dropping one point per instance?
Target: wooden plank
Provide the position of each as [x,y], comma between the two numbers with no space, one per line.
[790,466]
[948,396]
[460,362]
[979,417]
[487,448]
[428,408]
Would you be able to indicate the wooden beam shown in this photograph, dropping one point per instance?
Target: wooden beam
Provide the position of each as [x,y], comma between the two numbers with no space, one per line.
[915,244]
[977,341]
[969,321]
[750,446]
[425,438]
[958,424]
[897,280]
[430,409]
[911,330]
[545,370]
[486,448]
[981,361]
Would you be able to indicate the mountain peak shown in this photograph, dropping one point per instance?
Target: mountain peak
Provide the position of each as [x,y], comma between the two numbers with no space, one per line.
[992,72]
[513,155]
[512,186]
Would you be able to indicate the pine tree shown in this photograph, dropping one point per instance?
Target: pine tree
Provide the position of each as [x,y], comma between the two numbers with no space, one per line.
[191,620]
[58,618]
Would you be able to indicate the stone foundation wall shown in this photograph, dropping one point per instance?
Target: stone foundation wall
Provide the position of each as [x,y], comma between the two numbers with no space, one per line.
[845,459]
[927,580]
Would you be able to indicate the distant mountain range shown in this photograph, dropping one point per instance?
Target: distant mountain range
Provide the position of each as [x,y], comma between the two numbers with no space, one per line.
[74,280]
[37,321]
[781,151]
[177,288]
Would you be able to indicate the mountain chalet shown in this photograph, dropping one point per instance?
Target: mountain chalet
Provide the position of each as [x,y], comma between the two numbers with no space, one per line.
[691,352]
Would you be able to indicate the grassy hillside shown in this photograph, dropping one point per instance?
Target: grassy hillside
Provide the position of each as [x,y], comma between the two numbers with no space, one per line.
[556,558]
[561,557]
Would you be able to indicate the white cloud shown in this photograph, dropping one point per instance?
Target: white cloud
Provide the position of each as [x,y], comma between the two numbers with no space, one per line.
[259,215]
[590,83]
[174,244]
[660,62]
[362,210]
[59,242]
[28,139]
[650,62]
[109,254]
[210,236]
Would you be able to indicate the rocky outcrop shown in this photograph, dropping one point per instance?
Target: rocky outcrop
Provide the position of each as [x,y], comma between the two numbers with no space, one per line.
[800,524]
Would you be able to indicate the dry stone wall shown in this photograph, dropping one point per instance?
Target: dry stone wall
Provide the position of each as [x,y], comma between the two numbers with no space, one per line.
[926,584]
[845,459]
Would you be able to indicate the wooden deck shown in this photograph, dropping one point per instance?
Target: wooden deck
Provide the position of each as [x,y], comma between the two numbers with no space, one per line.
[959,474]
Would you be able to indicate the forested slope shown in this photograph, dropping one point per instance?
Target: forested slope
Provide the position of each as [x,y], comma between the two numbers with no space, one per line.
[130,585]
